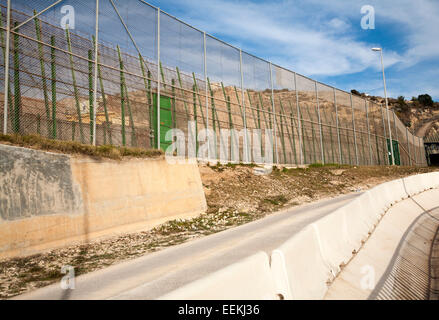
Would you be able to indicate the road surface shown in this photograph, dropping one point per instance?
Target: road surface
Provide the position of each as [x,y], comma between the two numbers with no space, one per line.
[421,131]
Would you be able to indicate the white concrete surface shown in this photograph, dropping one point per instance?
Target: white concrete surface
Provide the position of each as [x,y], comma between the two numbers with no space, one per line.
[300,268]
[250,278]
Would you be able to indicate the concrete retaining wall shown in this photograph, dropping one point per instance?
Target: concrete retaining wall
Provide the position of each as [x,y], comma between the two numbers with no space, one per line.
[304,265]
[49,200]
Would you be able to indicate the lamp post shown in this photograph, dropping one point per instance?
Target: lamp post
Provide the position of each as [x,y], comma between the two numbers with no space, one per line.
[387,104]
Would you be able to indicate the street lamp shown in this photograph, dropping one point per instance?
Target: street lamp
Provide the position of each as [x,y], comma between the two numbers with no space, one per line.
[387,104]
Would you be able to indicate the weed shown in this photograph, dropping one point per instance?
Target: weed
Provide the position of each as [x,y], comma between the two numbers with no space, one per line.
[72,147]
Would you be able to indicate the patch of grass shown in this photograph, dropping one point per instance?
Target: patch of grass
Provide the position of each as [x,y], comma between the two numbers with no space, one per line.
[221,167]
[276,200]
[327,165]
[72,147]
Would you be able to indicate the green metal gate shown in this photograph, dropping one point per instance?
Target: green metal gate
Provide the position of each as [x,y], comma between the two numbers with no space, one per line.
[395,152]
[165,120]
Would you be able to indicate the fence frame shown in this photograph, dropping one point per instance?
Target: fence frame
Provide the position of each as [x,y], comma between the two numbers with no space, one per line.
[247,156]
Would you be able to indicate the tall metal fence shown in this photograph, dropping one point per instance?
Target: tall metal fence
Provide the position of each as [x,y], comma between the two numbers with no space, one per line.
[153,72]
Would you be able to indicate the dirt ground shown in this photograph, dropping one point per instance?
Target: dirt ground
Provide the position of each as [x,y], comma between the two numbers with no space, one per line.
[234,194]
[237,188]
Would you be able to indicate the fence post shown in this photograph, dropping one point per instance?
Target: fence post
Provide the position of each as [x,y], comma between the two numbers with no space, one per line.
[158,80]
[408,145]
[320,122]
[17,86]
[8,37]
[355,133]
[206,98]
[424,155]
[368,132]
[337,125]
[53,74]
[247,154]
[95,84]
[91,94]
[274,114]
[385,136]
[390,135]
[394,125]
[419,151]
[299,120]
[414,150]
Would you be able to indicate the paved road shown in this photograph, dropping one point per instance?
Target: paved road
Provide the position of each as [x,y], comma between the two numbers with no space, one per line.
[422,130]
[155,274]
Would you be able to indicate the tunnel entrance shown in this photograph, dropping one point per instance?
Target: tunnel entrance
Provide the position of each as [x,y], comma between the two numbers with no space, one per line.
[432,152]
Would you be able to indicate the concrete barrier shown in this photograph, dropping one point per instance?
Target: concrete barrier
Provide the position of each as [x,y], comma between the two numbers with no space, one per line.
[304,265]
[300,269]
[419,183]
[248,279]
[394,262]
[50,200]
[334,241]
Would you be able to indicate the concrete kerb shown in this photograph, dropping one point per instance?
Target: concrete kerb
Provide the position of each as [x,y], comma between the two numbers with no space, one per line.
[249,279]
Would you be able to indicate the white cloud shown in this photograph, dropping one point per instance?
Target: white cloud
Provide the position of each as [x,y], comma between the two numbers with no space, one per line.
[338,25]
[321,38]
[417,20]
[308,43]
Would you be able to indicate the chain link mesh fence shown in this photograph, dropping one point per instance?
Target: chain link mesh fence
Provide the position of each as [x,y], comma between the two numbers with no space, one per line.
[157,73]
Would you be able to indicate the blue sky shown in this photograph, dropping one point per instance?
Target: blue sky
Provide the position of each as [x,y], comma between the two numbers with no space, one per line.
[321,39]
[324,40]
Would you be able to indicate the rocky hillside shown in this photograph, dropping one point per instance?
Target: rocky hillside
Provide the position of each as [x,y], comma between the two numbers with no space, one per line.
[420,114]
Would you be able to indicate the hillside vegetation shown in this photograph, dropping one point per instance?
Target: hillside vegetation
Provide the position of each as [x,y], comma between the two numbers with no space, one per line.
[413,112]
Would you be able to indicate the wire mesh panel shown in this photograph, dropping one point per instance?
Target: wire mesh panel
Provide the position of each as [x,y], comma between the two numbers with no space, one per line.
[183,94]
[257,85]
[41,91]
[402,142]
[345,120]
[423,152]
[361,130]
[156,73]
[421,157]
[416,150]
[127,73]
[227,116]
[287,126]
[329,123]
[381,135]
[390,133]
[375,132]
[310,119]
